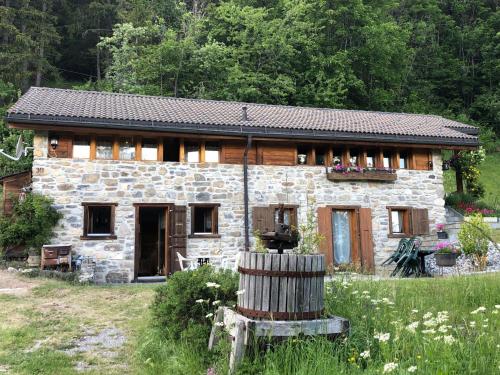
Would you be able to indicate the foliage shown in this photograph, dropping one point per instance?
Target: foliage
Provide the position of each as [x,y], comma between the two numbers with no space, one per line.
[181,305]
[446,247]
[70,277]
[414,315]
[31,223]
[468,204]
[474,236]
[468,162]
[310,238]
[259,246]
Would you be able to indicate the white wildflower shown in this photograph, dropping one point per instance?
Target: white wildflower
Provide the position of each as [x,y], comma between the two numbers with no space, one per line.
[437,338]
[429,331]
[215,303]
[365,354]
[355,292]
[478,310]
[443,329]
[389,367]
[427,315]
[472,323]
[213,285]
[449,339]
[240,292]
[485,325]
[209,315]
[382,337]
[497,307]
[430,323]
[365,292]
[412,369]
[200,301]
[412,326]
[495,312]
[442,317]
[219,324]
[414,311]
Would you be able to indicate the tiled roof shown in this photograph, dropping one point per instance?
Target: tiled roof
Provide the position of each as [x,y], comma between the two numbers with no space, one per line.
[128,111]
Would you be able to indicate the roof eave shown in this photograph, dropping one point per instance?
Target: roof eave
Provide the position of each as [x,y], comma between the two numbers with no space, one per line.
[232,130]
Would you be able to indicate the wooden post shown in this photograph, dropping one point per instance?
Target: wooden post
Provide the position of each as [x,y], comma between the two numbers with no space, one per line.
[202,151]
[93,147]
[459,178]
[116,148]
[138,148]
[159,157]
[181,150]
[237,347]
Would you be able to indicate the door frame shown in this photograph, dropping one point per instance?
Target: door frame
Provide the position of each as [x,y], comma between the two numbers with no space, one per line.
[137,244]
[355,231]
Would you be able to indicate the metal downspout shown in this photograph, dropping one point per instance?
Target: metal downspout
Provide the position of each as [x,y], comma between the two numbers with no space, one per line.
[245,193]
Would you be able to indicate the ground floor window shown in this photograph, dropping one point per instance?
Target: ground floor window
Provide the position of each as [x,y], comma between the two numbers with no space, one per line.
[204,220]
[99,221]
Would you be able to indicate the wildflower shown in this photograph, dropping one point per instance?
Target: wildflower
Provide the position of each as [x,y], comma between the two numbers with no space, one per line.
[437,338]
[472,324]
[240,292]
[443,329]
[412,369]
[497,307]
[382,337]
[215,303]
[219,324]
[495,312]
[427,315]
[419,356]
[355,292]
[431,323]
[478,310]
[485,325]
[449,339]
[365,292]
[365,354]
[412,326]
[200,301]
[442,316]
[209,315]
[429,331]
[414,311]
[213,285]
[389,367]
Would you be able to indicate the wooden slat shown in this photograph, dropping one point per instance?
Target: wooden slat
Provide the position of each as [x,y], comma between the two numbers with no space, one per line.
[263,219]
[138,147]
[275,154]
[307,284]
[266,284]
[283,285]
[313,302]
[299,286]
[247,280]
[421,159]
[275,283]
[93,148]
[182,155]
[241,285]
[202,151]
[251,296]
[159,155]
[116,148]
[292,266]
[258,282]
[366,240]
[419,221]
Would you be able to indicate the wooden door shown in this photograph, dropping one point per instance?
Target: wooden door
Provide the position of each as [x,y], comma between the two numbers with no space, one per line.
[177,238]
[166,257]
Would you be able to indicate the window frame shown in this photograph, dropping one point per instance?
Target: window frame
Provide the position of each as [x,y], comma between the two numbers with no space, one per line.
[406,230]
[215,220]
[86,223]
[78,138]
[294,213]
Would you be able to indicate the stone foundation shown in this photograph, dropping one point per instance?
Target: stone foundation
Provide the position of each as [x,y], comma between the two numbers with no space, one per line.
[70,182]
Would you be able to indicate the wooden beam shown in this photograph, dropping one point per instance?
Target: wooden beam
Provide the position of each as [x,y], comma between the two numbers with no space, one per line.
[93,147]
[116,148]
[159,156]
[182,151]
[138,147]
[202,151]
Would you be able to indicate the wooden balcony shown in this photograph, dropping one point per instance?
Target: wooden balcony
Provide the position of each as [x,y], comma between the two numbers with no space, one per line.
[385,175]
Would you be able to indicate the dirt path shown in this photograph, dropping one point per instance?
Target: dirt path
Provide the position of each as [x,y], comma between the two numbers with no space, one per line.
[81,329]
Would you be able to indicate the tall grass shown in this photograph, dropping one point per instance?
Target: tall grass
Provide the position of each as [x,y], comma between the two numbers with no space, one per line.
[452,336]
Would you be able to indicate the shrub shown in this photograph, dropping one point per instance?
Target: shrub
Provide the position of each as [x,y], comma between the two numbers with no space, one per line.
[177,310]
[474,237]
[31,223]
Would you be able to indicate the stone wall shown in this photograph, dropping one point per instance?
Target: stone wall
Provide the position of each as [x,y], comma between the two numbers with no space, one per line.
[70,182]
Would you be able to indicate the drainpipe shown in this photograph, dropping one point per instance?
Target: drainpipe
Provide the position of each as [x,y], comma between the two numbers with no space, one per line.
[245,193]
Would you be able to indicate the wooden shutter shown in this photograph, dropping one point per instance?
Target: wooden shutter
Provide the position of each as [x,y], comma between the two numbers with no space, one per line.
[64,147]
[263,219]
[233,153]
[366,240]
[177,235]
[421,159]
[325,228]
[271,154]
[419,221]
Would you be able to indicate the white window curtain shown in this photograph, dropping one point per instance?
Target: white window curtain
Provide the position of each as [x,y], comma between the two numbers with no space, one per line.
[341,237]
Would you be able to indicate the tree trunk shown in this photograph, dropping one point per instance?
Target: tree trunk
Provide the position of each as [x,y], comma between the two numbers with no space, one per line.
[41,55]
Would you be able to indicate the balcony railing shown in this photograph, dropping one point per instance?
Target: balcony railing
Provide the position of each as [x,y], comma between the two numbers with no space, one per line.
[342,173]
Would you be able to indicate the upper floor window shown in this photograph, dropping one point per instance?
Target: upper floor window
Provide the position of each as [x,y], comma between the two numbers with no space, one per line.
[321,154]
[81,148]
[192,152]
[149,149]
[104,148]
[403,160]
[126,149]
[212,152]
[354,158]
[387,160]
[370,159]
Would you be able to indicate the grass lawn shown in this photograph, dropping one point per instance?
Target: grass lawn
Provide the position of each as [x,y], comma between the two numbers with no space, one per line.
[38,326]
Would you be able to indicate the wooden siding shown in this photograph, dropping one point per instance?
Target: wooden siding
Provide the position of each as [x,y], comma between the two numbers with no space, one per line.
[272,154]
[232,152]
[366,240]
[64,147]
[12,187]
[421,159]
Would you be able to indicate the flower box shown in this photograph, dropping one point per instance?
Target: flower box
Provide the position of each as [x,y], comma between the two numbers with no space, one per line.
[445,259]
[362,176]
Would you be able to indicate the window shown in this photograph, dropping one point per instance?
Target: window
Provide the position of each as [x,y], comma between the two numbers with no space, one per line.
[403,160]
[370,160]
[99,221]
[264,219]
[149,149]
[354,158]
[126,149]
[320,156]
[399,221]
[387,160]
[289,216]
[81,148]
[104,148]
[204,220]
[192,152]
[212,152]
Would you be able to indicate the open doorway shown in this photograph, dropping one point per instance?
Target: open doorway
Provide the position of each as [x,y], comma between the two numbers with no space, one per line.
[151,241]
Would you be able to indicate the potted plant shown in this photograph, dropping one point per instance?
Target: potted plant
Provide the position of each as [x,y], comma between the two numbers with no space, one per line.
[475,237]
[446,254]
[441,233]
[302,159]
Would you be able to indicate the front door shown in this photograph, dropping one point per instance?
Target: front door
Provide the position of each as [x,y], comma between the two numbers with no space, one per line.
[344,236]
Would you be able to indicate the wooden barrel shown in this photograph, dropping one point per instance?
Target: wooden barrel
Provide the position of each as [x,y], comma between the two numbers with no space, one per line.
[281,287]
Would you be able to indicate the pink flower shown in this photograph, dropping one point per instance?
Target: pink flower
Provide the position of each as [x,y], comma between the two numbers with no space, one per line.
[440,227]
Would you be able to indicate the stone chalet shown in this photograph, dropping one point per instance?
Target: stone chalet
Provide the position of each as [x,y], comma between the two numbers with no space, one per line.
[141,178]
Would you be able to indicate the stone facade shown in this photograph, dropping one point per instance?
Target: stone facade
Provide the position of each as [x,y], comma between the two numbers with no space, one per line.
[70,182]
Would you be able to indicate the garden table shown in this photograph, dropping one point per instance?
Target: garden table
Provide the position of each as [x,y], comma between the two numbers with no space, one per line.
[422,253]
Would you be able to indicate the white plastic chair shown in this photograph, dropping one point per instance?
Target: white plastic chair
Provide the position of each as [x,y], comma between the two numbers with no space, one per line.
[191,264]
